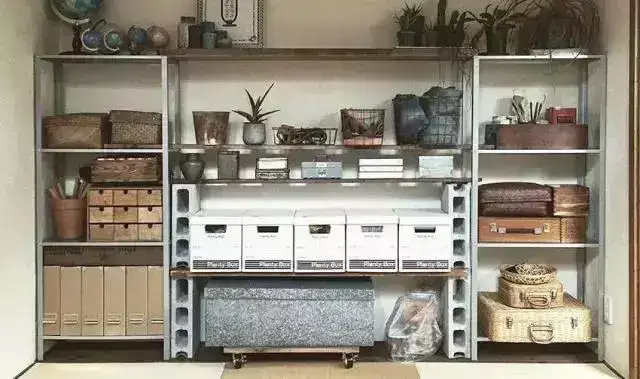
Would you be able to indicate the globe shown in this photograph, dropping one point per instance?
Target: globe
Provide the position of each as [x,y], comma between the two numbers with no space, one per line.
[75,11]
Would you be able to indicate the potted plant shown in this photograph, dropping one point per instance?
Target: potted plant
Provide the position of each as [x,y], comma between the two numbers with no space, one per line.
[496,22]
[430,35]
[407,21]
[562,24]
[254,131]
[451,33]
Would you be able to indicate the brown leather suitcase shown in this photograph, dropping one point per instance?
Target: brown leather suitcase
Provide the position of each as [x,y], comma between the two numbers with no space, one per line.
[514,192]
[523,229]
[536,296]
[524,209]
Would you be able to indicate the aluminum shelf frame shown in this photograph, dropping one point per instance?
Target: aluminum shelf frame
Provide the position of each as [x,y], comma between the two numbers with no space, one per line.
[582,63]
[52,67]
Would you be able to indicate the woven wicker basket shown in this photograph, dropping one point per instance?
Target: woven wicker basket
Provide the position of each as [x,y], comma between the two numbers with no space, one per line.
[530,274]
[79,131]
[136,128]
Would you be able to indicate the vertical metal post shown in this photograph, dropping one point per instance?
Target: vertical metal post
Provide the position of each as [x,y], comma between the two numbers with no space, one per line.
[602,208]
[475,125]
[39,206]
[583,117]
[166,201]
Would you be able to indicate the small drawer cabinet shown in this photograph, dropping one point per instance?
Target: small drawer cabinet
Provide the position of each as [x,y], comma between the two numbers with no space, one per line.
[125,214]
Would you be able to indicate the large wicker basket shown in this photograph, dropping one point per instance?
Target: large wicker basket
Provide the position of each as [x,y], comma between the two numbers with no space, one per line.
[76,131]
[136,128]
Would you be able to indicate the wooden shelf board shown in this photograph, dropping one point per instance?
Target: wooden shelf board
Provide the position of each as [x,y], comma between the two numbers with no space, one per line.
[353,181]
[540,152]
[539,245]
[102,151]
[185,273]
[103,338]
[100,244]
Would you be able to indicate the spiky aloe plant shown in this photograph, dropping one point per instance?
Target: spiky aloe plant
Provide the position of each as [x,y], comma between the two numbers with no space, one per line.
[256,116]
[408,17]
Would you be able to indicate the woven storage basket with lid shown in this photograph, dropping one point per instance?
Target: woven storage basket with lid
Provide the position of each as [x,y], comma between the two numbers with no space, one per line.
[528,273]
[136,128]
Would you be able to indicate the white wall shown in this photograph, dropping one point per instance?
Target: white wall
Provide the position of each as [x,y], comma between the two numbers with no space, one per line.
[22,27]
[311,94]
[616,42]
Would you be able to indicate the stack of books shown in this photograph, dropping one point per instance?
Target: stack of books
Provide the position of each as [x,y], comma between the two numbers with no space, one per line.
[381,168]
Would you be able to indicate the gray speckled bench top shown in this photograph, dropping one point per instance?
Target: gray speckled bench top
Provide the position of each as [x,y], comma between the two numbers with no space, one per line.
[290,289]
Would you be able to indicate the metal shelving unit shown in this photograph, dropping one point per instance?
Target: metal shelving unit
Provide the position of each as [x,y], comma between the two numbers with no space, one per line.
[50,75]
[589,69]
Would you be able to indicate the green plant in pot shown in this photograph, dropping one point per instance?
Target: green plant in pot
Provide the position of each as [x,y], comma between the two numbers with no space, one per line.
[561,24]
[430,35]
[407,21]
[497,21]
[451,31]
[254,131]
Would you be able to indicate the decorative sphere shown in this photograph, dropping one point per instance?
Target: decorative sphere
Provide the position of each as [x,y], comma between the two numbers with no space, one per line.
[138,36]
[158,37]
[91,40]
[75,11]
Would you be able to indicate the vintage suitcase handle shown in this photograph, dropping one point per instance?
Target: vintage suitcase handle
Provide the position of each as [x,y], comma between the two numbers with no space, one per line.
[535,330]
[504,230]
[538,300]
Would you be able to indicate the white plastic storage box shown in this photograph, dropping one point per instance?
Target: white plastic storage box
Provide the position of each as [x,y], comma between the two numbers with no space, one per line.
[216,241]
[267,241]
[372,240]
[319,240]
[425,240]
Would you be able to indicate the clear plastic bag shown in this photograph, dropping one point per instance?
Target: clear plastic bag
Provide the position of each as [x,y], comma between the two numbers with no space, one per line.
[413,329]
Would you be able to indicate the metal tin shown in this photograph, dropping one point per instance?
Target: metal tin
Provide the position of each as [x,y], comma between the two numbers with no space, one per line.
[195,36]
[228,164]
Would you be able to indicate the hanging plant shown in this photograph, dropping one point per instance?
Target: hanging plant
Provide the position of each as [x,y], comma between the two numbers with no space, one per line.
[562,24]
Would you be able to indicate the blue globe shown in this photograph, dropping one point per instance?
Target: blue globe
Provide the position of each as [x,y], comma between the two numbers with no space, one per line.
[75,11]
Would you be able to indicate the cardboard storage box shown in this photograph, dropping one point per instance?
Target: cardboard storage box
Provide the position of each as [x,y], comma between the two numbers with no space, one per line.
[425,240]
[102,256]
[51,301]
[319,240]
[216,241]
[267,241]
[155,303]
[70,301]
[372,240]
[115,295]
[137,301]
[92,301]
[289,312]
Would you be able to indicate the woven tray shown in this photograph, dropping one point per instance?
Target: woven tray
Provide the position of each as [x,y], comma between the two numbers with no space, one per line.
[528,273]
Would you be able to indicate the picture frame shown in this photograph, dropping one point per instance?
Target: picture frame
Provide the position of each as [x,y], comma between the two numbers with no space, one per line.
[242,19]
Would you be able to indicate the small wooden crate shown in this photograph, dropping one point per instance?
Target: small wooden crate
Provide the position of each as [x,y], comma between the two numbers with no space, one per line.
[571,201]
[541,137]
[573,229]
[126,170]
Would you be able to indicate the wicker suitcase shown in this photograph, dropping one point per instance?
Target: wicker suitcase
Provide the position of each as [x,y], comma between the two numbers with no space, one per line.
[530,229]
[537,296]
[524,209]
[571,201]
[570,323]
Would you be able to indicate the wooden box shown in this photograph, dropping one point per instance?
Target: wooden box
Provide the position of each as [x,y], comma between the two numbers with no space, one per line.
[570,323]
[519,230]
[150,232]
[536,296]
[125,215]
[125,232]
[573,229]
[150,196]
[100,197]
[571,201]
[123,170]
[101,232]
[125,196]
[150,215]
[543,137]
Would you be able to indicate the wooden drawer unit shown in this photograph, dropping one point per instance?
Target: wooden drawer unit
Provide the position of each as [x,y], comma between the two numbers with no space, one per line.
[126,196]
[99,215]
[125,215]
[101,232]
[150,232]
[150,196]
[125,232]
[149,215]
[100,197]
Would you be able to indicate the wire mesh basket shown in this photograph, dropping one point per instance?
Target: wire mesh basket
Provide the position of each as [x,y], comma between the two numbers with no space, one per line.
[432,119]
[289,135]
[362,127]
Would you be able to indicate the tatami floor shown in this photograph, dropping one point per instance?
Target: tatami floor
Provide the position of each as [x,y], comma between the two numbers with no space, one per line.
[216,370]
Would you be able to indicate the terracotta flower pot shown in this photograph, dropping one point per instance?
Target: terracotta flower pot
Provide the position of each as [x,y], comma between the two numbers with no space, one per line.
[69,217]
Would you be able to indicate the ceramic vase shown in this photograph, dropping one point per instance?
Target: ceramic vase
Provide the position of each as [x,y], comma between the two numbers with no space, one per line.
[192,167]
[254,134]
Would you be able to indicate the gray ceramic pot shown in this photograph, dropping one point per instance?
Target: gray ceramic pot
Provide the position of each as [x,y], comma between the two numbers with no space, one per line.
[192,168]
[254,134]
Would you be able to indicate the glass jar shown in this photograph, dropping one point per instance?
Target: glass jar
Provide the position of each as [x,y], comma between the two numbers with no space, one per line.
[208,35]
[183,31]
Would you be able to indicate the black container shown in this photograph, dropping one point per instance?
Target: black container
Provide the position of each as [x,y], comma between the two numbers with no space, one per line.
[195,36]
[228,165]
